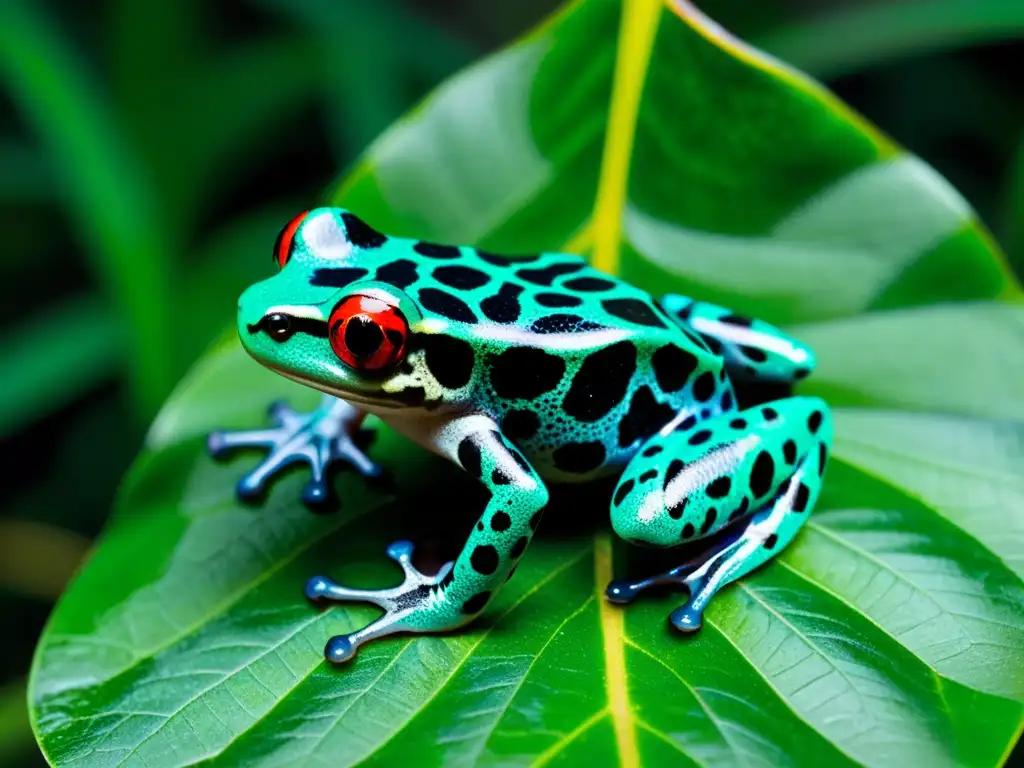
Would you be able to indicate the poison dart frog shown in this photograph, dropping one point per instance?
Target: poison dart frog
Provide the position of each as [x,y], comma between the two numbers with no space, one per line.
[526,371]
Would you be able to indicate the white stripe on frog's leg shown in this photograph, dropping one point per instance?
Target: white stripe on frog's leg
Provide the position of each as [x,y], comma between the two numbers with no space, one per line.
[462,589]
[761,468]
[752,349]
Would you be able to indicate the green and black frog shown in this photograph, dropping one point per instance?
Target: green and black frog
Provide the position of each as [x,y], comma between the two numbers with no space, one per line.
[526,371]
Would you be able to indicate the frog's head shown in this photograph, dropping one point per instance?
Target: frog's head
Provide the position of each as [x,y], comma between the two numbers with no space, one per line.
[321,321]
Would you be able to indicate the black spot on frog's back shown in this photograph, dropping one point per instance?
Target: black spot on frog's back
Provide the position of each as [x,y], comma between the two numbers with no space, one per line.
[563,323]
[546,275]
[476,603]
[634,311]
[525,373]
[503,307]
[644,417]
[450,360]
[361,234]
[553,299]
[336,277]
[704,387]
[497,260]
[588,284]
[437,251]
[672,367]
[601,382]
[446,305]
[461,277]
[401,273]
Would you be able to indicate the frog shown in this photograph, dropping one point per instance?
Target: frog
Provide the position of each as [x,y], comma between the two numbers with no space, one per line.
[528,371]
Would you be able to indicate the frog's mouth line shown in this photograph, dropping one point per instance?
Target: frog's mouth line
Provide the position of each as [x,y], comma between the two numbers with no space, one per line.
[307,325]
[390,403]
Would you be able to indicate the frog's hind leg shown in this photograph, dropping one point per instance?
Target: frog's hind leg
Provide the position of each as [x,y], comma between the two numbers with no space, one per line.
[319,438]
[753,350]
[761,468]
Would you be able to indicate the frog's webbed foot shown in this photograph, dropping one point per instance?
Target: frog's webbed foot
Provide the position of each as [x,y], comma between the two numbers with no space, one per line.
[685,618]
[625,591]
[412,596]
[320,438]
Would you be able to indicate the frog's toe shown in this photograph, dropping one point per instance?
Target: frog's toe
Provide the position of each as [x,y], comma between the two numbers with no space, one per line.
[283,415]
[347,450]
[253,485]
[216,444]
[686,618]
[625,591]
[317,495]
[220,443]
[621,592]
[412,596]
[340,649]
[321,438]
[249,489]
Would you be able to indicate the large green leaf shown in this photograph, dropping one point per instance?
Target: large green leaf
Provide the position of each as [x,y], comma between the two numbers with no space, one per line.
[890,633]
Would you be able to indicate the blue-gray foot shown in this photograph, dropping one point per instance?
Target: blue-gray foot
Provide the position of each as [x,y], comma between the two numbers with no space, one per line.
[321,438]
[405,606]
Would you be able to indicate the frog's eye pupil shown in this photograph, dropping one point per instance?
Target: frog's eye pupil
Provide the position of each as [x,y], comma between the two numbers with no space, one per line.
[363,337]
[278,326]
[286,240]
[367,333]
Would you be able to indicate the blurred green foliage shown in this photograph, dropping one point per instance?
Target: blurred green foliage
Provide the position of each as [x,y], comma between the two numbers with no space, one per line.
[149,152]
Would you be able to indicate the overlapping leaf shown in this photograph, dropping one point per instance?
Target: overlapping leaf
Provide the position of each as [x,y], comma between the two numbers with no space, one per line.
[890,633]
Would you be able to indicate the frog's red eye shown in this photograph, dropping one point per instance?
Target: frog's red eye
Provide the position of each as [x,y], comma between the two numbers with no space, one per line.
[367,333]
[285,239]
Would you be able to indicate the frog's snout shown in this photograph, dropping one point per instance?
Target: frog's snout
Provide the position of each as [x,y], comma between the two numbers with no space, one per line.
[250,310]
[250,320]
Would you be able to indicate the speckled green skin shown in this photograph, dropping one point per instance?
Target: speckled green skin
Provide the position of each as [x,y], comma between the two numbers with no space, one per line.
[540,368]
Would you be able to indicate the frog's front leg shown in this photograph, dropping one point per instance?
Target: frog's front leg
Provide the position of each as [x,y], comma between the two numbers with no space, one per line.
[460,590]
[763,465]
[319,438]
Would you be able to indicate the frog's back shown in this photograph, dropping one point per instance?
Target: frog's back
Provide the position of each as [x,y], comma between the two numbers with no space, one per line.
[578,367]
[545,293]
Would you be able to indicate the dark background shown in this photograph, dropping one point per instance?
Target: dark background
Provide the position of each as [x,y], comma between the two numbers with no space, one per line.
[150,151]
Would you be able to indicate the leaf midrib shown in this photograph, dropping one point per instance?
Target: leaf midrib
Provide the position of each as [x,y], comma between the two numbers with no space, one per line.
[613,638]
[529,668]
[637,31]
[697,697]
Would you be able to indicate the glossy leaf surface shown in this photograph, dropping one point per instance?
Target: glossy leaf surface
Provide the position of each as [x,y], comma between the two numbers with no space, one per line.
[890,633]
